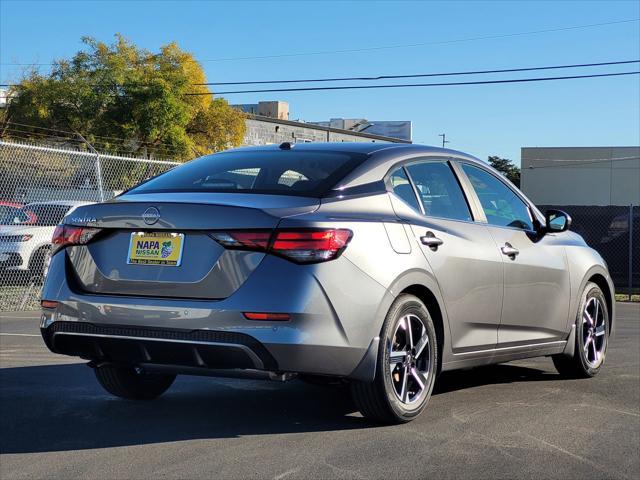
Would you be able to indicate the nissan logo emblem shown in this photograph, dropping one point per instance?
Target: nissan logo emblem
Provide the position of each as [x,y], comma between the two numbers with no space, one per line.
[151,215]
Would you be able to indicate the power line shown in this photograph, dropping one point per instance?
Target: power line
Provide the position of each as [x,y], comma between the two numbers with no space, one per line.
[422,44]
[167,147]
[418,75]
[407,85]
[389,47]
[388,77]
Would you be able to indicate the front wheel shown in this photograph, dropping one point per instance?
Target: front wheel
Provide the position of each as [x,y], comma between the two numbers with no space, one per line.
[592,335]
[131,383]
[406,365]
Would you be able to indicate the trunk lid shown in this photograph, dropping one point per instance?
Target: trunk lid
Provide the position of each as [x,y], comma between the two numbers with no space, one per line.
[206,270]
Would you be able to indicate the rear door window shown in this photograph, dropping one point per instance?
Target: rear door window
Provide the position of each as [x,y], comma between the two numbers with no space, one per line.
[439,190]
[305,173]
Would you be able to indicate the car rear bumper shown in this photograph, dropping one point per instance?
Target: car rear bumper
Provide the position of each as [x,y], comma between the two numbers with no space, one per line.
[159,346]
[325,335]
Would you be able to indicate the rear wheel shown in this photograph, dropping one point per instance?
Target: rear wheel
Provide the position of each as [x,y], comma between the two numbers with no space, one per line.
[406,367]
[592,335]
[131,383]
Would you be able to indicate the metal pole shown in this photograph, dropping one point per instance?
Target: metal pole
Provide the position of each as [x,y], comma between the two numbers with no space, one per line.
[99,175]
[630,250]
[98,166]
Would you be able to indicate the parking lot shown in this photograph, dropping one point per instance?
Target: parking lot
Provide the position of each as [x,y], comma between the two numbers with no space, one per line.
[517,420]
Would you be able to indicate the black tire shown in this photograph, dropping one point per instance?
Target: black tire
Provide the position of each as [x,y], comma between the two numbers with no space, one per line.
[579,365]
[379,400]
[39,263]
[126,382]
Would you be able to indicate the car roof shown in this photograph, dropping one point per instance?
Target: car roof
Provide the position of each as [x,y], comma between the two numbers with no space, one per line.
[368,148]
[344,147]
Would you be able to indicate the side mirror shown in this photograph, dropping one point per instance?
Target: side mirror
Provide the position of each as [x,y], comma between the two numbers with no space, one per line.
[557,221]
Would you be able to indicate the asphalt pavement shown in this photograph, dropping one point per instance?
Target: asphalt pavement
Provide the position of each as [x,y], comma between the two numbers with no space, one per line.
[516,420]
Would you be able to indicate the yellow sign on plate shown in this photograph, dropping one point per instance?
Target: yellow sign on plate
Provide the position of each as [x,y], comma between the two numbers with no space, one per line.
[156,248]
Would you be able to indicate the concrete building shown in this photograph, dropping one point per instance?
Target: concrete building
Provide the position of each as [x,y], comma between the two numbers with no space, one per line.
[581,175]
[260,112]
[401,129]
[273,109]
[267,130]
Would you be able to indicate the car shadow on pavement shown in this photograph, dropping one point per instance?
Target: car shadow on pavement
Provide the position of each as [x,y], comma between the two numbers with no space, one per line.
[490,375]
[61,407]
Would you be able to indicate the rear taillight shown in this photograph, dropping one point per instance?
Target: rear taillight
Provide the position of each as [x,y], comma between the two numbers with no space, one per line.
[67,235]
[244,239]
[300,246]
[310,246]
[280,317]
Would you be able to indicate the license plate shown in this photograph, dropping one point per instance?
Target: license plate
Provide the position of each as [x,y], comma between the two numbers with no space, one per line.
[156,248]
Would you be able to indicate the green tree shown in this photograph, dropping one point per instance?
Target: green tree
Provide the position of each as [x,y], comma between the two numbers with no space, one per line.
[507,168]
[124,98]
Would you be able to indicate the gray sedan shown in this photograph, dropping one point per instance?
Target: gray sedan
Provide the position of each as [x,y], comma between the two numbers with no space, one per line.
[375,265]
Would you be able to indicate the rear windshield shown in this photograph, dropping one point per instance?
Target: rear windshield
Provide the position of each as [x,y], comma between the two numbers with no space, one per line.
[305,174]
[47,215]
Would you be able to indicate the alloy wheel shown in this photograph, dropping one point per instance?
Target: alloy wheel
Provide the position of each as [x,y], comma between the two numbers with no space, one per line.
[410,359]
[593,335]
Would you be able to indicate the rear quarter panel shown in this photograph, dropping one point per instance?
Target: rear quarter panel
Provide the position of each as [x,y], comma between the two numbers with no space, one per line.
[363,294]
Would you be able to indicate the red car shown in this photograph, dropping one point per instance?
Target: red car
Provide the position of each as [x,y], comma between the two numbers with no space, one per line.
[12,213]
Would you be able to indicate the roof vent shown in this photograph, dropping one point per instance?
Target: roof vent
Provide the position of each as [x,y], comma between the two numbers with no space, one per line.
[286,146]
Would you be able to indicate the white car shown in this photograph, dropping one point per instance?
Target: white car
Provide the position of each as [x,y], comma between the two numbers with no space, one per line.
[25,247]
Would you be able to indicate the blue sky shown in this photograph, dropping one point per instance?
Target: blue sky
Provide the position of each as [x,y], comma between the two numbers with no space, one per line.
[482,120]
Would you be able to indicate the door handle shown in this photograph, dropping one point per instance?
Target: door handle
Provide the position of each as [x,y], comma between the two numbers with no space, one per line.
[509,250]
[431,241]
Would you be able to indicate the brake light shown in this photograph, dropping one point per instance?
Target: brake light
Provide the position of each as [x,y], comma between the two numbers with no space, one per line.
[311,246]
[267,316]
[67,235]
[243,239]
[50,304]
[300,246]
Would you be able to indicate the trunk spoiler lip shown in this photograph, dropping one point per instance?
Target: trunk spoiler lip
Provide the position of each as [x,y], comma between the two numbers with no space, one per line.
[98,214]
[259,201]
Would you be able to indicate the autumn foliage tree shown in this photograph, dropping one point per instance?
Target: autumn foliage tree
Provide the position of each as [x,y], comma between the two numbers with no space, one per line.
[124,98]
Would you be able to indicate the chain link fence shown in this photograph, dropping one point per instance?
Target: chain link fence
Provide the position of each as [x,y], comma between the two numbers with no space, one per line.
[614,232]
[38,186]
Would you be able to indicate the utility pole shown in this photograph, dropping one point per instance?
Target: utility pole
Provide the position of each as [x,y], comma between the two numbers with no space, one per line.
[444,139]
